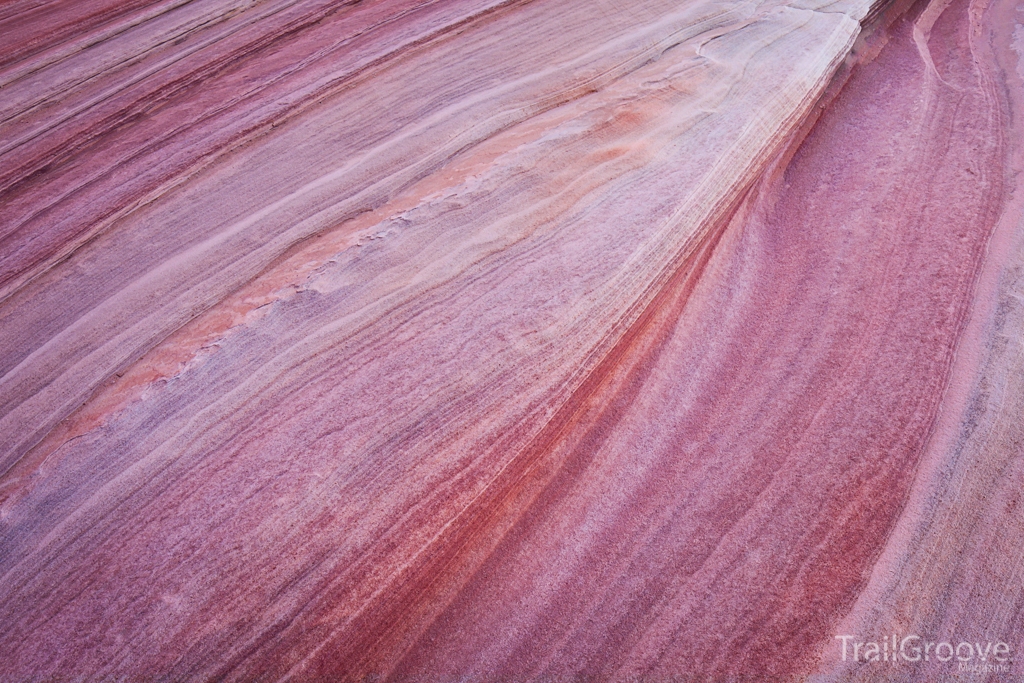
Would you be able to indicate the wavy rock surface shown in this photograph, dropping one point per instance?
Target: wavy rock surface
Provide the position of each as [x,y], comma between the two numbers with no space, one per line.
[506,340]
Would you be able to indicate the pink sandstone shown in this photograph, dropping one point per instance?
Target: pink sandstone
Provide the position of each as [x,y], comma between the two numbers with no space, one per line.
[496,340]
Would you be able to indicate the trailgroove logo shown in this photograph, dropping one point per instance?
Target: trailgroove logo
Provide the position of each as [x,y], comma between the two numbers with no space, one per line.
[973,657]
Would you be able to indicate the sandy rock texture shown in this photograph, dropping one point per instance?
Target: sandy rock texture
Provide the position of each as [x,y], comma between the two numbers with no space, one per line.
[510,340]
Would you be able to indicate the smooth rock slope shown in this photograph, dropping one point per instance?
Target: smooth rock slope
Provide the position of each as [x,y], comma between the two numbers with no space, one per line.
[511,340]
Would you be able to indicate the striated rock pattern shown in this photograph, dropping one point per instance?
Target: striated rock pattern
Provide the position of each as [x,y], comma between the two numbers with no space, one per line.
[510,340]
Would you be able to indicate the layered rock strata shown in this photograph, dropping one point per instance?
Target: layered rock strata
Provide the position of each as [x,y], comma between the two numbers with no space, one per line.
[505,340]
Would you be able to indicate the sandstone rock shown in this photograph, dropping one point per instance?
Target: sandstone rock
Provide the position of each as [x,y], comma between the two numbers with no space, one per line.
[502,340]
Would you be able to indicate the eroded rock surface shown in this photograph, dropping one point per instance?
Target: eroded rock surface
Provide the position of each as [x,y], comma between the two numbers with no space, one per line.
[502,340]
